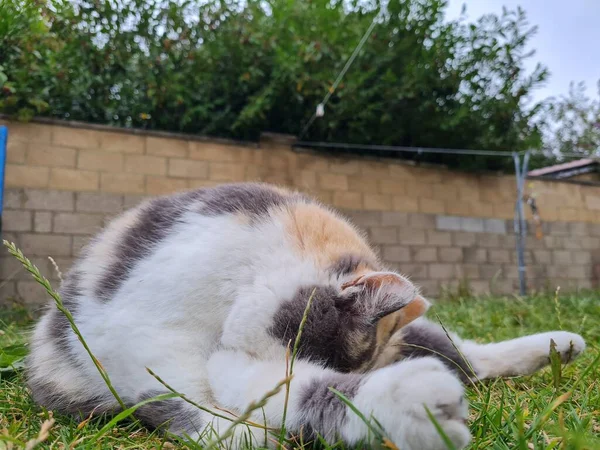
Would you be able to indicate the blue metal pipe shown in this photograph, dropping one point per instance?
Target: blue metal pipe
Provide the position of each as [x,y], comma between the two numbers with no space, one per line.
[3,142]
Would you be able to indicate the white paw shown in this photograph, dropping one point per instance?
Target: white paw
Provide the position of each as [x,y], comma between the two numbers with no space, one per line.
[397,397]
[568,345]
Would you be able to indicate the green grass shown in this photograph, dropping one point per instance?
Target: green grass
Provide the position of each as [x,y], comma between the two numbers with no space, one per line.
[543,411]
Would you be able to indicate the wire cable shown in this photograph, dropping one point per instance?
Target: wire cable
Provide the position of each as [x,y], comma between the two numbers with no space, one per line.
[396,149]
[357,49]
[450,151]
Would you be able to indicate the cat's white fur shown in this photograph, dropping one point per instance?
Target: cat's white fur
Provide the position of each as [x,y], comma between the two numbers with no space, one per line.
[197,312]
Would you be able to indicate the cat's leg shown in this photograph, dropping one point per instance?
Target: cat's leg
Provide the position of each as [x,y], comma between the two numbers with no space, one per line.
[520,356]
[423,338]
[395,395]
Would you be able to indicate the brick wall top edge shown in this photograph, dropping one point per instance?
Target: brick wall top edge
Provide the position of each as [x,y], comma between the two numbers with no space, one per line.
[300,148]
[277,138]
[135,131]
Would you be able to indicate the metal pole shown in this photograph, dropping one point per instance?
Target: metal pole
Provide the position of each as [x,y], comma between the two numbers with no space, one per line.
[520,223]
[3,142]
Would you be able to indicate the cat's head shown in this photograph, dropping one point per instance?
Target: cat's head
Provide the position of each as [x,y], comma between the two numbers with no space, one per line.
[348,325]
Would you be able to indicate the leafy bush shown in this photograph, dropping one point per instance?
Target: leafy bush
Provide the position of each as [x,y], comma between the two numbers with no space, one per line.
[573,123]
[234,68]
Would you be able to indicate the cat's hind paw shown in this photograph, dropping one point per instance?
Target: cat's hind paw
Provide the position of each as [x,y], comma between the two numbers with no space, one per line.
[568,345]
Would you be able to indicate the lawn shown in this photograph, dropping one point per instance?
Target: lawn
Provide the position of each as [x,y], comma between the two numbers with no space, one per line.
[545,411]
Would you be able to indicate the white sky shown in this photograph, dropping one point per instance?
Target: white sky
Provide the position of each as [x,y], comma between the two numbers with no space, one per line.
[567,41]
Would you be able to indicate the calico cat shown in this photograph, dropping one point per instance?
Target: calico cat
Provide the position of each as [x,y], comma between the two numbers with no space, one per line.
[208,287]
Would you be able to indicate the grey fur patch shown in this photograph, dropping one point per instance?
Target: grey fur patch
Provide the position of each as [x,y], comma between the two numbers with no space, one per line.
[175,415]
[50,396]
[155,222]
[346,265]
[59,327]
[160,215]
[252,199]
[336,333]
[424,338]
[324,413]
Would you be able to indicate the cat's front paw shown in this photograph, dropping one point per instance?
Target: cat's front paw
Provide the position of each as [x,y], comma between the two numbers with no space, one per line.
[398,397]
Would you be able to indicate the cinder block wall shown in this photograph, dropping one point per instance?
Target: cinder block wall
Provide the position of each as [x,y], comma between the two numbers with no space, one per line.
[440,227]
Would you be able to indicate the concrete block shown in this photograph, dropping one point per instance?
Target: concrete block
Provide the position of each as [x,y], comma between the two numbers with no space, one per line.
[425,254]
[396,253]
[448,223]
[383,235]
[77,223]
[451,255]
[145,164]
[412,237]
[439,238]
[442,271]
[422,221]
[45,245]
[42,222]
[49,200]
[163,185]
[167,147]
[100,160]
[98,202]
[463,239]
[472,224]
[186,168]
[494,226]
[74,179]
[17,220]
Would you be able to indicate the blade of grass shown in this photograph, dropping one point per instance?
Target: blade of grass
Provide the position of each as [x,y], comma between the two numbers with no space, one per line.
[290,374]
[464,358]
[355,410]
[557,308]
[440,430]
[200,407]
[449,360]
[34,271]
[127,413]
[259,404]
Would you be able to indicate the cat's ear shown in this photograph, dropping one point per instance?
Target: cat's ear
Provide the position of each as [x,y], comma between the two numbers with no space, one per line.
[386,293]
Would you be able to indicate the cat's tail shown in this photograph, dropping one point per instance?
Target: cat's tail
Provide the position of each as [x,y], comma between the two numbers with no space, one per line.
[521,356]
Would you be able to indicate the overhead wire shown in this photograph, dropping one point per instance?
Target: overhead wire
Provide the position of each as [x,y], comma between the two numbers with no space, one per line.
[320,109]
[438,150]
[395,148]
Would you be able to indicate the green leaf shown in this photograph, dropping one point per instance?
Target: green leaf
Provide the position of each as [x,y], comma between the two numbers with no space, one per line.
[440,430]
[555,364]
[12,357]
[128,413]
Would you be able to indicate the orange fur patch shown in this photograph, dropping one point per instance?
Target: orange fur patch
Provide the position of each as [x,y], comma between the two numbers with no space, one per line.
[321,235]
[388,341]
[412,311]
[391,323]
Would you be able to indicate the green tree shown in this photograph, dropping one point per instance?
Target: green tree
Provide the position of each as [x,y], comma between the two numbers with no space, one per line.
[573,123]
[234,68]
